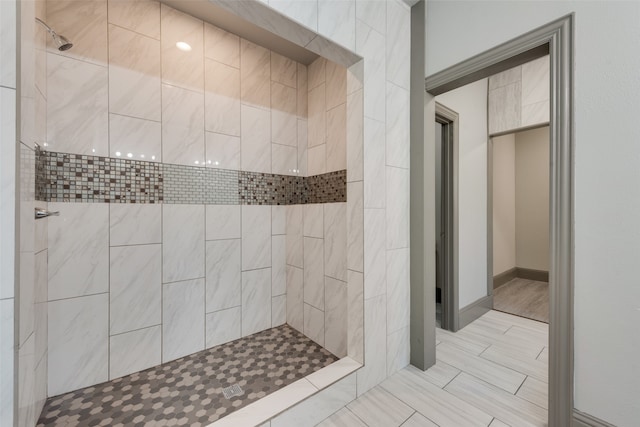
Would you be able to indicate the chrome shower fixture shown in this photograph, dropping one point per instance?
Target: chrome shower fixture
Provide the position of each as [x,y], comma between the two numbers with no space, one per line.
[61,42]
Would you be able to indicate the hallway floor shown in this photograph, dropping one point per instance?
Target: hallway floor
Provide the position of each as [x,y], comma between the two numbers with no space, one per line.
[493,372]
[191,391]
[522,297]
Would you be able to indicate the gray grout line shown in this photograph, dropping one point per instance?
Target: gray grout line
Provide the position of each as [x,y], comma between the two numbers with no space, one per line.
[135,330]
[77,296]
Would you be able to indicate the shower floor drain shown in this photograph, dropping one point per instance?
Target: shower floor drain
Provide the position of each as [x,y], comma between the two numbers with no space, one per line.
[232,391]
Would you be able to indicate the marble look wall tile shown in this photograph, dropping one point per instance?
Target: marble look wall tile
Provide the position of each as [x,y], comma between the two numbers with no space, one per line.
[135,292]
[256,140]
[397,289]
[314,272]
[505,78]
[255,74]
[397,137]
[355,77]
[182,68]
[223,222]
[134,74]
[141,16]
[85,23]
[256,301]
[182,126]
[397,350]
[7,190]
[303,90]
[398,43]
[336,317]
[316,73]
[278,220]
[135,224]
[294,235]
[355,316]
[295,302]
[335,240]
[77,107]
[374,252]
[317,121]
[355,226]
[317,162]
[135,351]
[78,354]
[303,11]
[505,108]
[534,114]
[313,220]
[223,279]
[8,43]
[302,148]
[278,310]
[355,137]
[337,20]
[336,84]
[183,319]
[278,265]
[183,242]
[374,164]
[26,382]
[79,250]
[375,339]
[222,151]
[397,208]
[314,323]
[284,70]
[256,238]
[284,159]
[27,297]
[337,138]
[7,355]
[40,309]
[41,231]
[223,326]
[373,13]
[222,98]
[221,45]
[141,138]
[283,114]
[535,81]
[370,45]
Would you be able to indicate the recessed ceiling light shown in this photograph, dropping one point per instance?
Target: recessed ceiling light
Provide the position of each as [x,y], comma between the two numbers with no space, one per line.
[185,47]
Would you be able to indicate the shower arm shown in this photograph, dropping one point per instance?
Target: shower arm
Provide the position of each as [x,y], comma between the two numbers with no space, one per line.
[49,29]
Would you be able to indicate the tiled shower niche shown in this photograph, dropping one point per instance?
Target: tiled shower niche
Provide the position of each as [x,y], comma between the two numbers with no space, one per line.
[203,199]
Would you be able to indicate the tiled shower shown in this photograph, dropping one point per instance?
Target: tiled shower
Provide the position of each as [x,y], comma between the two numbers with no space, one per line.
[202,195]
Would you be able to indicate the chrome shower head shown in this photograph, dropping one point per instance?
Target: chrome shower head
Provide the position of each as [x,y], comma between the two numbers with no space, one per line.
[61,42]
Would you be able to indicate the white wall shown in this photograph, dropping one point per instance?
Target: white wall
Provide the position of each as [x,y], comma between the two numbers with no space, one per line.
[504,203]
[607,233]
[470,102]
[532,199]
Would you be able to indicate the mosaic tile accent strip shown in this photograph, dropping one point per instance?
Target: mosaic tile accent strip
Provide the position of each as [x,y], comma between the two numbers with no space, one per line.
[189,391]
[63,177]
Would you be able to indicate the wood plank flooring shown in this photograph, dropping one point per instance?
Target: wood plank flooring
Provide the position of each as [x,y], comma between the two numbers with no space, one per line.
[491,373]
[522,297]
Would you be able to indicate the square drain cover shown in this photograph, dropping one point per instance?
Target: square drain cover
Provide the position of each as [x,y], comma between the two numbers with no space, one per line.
[232,391]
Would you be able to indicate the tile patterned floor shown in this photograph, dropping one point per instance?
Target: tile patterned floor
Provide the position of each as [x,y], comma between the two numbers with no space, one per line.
[522,297]
[189,391]
[491,373]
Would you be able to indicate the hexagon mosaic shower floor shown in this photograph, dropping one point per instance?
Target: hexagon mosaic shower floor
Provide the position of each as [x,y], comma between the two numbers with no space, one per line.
[189,391]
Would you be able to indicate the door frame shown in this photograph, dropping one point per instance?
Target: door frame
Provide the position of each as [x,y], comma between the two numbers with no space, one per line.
[449,175]
[555,39]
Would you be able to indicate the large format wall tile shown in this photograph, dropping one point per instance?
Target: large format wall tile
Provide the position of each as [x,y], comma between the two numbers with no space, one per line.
[223,277]
[183,319]
[295,300]
[78,250]
[355,316]
[134,74]
[278,310]
[335,240]
[256,301]
[255,74]
[355,226]
[397,350]
[374,164]
[336,77]
[256,140]
[182,126]
[313,220]
[135,295]
[221,45]
[141,16]
[398,44]
[8,44]
[336,21]
[284,159]
[336,317]
[284,70]
[278,265]
[182,68]
[135,138]
[222,151]
[7,190]
[303,91]
[373,13]
[314,324]
[278,220]
[223,222]
[7,354]
[397,289]
[314,272]
[305,11]
[374,252]
[397,139]
[135,351]
[222,98]
[77,107]
[370,45]
[337,138]
[256,238]
[78,343]
[317,160]
[223,326]
[135,224]
[375,340]
[294,235]
[397,208]
[183,242]
[316,132]
[283,114]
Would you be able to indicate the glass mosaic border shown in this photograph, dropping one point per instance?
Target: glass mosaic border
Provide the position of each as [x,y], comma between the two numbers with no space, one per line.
[79,178]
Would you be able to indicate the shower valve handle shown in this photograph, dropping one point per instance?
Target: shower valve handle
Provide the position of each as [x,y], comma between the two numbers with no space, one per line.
[43,213]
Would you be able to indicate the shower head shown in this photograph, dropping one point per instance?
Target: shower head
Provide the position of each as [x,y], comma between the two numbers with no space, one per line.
[61,42]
